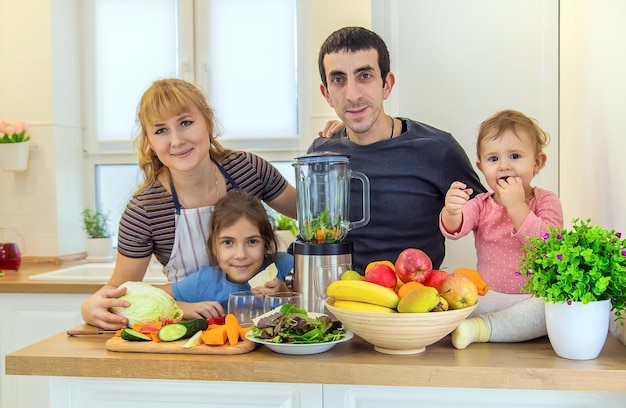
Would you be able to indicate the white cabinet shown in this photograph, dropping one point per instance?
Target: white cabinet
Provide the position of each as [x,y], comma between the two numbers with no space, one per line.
[73,392]
[351,396]
[26,319]
[106,393]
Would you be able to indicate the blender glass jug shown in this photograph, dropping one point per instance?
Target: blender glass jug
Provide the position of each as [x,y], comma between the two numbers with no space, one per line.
[323,197]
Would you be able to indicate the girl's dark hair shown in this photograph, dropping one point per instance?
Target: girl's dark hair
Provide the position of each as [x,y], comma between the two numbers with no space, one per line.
[232,208]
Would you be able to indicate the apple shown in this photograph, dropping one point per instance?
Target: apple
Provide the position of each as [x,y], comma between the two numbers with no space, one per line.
[413,265]
[435,278]
[459,290]
[382,275]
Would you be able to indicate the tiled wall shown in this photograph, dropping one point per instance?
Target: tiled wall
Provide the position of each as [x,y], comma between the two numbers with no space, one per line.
[44,202]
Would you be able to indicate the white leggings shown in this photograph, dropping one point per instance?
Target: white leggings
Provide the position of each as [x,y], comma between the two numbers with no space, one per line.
[512,317]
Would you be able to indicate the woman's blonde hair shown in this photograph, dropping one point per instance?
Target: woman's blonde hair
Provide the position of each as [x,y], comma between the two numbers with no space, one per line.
[515,121]
[166,98]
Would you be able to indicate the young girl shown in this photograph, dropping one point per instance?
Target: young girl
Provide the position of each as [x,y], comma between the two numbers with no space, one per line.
[510,153]
[241,243]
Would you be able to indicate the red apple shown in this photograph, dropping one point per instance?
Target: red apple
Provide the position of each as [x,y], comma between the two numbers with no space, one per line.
[413,265]
[382,275]
[435,278]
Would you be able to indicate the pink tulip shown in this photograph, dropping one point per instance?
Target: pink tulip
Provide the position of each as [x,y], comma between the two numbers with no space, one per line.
[17,127]
[9,130]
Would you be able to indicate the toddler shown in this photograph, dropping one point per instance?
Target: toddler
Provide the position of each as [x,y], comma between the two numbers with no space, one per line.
[510,153]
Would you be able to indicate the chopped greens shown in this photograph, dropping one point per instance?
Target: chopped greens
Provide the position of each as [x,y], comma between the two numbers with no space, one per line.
[293,325]
[323,229]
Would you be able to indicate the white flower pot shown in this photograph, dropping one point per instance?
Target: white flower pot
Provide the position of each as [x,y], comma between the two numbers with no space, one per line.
[14,156]
[578,331]
[285,238]
[99,249]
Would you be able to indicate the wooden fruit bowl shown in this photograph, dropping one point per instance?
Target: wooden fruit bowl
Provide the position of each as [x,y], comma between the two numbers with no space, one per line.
[400,333]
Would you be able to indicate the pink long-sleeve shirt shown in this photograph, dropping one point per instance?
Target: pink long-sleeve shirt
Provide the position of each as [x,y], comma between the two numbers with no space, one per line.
[498,245]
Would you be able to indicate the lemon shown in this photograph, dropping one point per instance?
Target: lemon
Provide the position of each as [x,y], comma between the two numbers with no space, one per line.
[194,340]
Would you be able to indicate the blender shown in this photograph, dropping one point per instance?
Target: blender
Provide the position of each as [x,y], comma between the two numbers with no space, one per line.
[323,200]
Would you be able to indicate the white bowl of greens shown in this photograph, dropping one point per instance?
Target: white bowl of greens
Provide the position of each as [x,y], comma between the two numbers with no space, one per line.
[290,330]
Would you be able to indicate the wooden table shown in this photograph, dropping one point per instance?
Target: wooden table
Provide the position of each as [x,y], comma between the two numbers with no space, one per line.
[530,365]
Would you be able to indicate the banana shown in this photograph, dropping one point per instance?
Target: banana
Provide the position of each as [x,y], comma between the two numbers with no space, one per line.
[362,307]
[363,291]
[442,306]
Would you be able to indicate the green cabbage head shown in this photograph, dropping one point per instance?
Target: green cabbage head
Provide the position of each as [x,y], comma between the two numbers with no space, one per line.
[147,304]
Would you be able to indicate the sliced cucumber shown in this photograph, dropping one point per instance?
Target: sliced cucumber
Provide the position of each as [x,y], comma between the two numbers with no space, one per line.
[134,335]
[173,332]
[195,325]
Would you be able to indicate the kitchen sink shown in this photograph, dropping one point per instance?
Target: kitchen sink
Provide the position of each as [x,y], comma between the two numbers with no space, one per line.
[96,272]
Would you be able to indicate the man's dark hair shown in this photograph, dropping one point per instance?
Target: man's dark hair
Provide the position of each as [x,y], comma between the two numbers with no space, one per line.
[353,39]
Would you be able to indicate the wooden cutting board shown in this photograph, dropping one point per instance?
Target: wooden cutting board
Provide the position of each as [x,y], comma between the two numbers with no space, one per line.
[176,347]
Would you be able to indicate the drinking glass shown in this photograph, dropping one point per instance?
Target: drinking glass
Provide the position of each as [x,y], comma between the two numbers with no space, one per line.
[246,306]
[10,257]
[324,276]
[275,300]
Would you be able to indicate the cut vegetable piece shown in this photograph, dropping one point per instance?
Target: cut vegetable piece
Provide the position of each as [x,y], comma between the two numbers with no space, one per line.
[134,335]
[195,325]
[243,331]
[215,336]
[194,340]
[172,332]
[232,329]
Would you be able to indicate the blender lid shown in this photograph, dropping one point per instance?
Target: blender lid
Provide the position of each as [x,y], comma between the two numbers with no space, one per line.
[322,157]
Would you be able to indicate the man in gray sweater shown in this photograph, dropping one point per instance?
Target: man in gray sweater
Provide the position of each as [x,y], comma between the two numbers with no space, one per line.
[410,165]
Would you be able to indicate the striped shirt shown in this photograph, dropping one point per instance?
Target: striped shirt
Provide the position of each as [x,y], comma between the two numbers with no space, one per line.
[147,225]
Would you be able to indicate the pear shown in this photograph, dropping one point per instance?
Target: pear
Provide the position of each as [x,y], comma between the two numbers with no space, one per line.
[351,275]
[419,300]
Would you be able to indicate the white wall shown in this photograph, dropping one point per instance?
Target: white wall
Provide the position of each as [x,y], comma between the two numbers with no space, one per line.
[39,79]
[592,114]
[457,62]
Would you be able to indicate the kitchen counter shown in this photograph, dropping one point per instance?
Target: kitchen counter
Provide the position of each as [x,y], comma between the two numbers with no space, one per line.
[530,365]
[17,282]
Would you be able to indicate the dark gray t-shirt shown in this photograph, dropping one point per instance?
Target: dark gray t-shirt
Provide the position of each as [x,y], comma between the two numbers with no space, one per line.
[409,177]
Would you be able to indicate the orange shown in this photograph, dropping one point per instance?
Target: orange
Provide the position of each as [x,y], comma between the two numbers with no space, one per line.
[388,263]
[407,287]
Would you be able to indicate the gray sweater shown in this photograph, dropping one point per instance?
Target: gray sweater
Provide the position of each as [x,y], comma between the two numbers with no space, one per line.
[409,177]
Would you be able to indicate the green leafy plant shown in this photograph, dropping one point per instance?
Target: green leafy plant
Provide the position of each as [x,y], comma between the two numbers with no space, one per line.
[584,264]
[284,223]
[13,132]
[96,224]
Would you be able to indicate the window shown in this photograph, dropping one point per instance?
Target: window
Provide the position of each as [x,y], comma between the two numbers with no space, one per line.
[242,53]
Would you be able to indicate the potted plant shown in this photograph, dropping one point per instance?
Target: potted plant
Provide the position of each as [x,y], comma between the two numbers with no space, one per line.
[14,145]
[99,243]
[286,229]
[576,270]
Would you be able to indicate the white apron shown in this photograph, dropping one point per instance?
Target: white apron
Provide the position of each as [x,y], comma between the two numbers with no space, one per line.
[191,233]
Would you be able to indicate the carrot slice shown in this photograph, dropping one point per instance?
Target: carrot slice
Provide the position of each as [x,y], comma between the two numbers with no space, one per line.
[215,336]
[243,331]
[232,329]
